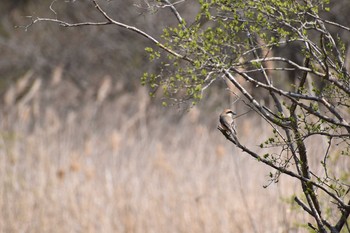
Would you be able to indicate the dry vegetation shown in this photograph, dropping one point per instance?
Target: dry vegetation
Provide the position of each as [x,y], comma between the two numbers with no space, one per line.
[121,164]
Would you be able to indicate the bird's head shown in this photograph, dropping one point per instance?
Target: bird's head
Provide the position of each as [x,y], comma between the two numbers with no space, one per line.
[229,112]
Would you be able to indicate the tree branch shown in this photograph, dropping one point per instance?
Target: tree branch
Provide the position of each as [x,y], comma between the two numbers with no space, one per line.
[299,67]
[173,9]
[111,21]
[294,98]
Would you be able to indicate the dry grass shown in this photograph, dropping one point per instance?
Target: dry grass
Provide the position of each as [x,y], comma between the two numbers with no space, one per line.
[120,166]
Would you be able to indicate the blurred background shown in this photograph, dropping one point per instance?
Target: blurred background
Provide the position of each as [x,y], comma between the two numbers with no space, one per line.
[83,148]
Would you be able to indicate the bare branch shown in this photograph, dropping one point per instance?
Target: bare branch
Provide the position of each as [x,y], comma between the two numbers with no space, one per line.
[111,21]
[299,67]
[284,170]
[66,24]
[51,7]
[173,9]
[343,219]
[281,59]
[329,22]
[294,98]
[303,205]
[138,31]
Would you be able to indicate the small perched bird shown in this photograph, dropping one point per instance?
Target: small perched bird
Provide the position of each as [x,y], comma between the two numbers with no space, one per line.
[226,121]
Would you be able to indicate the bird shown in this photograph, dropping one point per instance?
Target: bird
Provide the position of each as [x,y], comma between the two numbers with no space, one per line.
[226,121]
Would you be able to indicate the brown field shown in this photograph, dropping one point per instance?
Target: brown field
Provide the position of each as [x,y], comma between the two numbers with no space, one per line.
[124,165]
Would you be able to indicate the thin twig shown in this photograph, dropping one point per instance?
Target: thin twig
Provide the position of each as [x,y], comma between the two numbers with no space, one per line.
[175,12]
